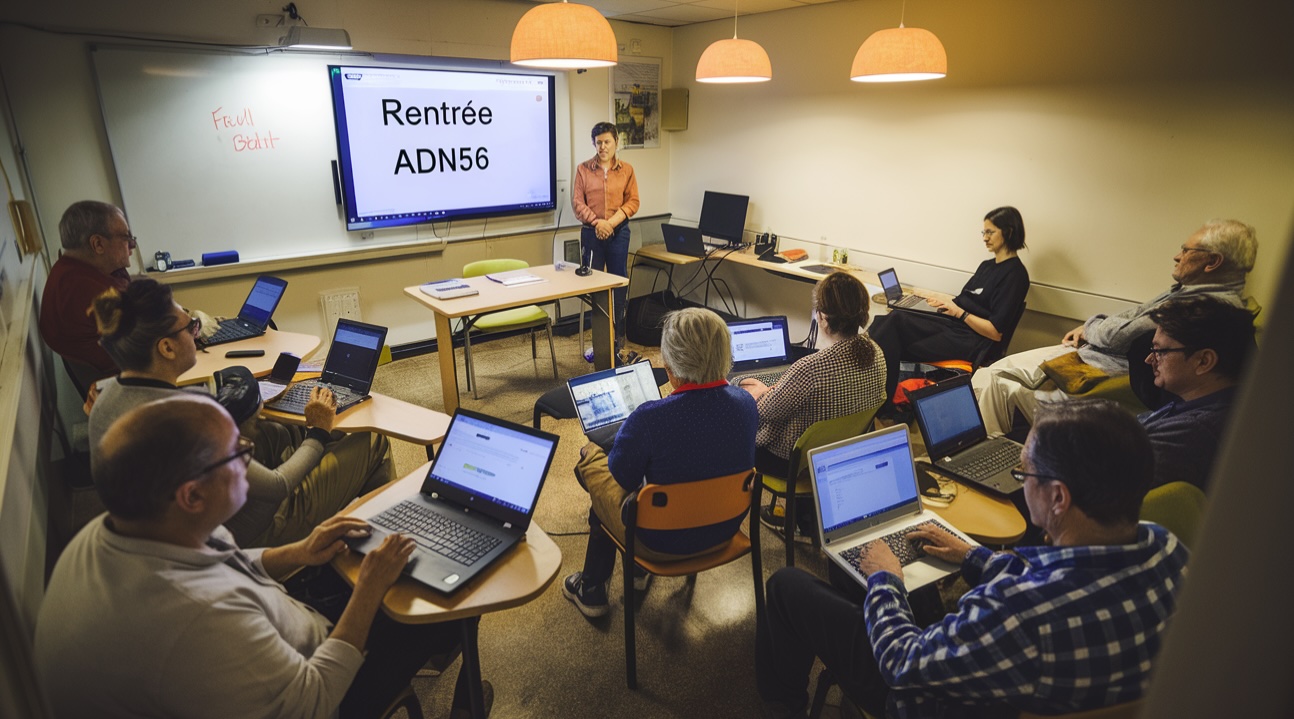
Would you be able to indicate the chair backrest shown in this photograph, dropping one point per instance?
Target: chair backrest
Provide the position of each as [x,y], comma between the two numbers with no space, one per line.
[1177,507]
[997,350]
[489,267]
[824,432]
[687,505]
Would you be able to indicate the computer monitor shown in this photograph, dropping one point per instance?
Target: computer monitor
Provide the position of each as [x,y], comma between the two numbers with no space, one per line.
[723,216]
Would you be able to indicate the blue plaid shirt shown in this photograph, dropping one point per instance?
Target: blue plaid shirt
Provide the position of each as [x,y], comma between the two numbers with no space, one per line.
[1045,629]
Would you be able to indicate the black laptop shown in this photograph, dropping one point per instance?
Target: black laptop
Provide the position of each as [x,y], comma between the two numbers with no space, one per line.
[255,315]
[896,299]
[956,440]
[683,240]
[348,371]
[761,348]
[475,504]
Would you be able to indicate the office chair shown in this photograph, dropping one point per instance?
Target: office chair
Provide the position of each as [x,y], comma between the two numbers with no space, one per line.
[1177,507]
[796,484]
[669,507]
[529,317]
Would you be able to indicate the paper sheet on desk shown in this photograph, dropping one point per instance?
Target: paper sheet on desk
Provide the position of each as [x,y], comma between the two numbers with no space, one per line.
[271,390]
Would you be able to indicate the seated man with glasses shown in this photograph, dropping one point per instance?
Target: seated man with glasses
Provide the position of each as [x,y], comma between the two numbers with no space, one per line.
[97,247]
[1197,355]
[296,479]
[153,610]
[1213,262]
[1051,629]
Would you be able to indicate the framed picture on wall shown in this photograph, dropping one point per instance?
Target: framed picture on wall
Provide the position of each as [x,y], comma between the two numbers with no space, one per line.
[635,101]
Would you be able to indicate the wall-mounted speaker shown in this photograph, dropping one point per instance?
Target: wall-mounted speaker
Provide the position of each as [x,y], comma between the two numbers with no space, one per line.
[673,108]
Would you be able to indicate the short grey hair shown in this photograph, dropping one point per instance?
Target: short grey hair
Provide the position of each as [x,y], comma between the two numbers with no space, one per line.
[83,219]
[696,346]
[1234,240]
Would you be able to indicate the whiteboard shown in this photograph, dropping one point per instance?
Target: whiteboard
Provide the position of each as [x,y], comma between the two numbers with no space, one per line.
[234,150]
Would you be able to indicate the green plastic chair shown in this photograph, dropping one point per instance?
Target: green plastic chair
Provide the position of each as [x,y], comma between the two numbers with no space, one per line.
[530,317]
[1177,507]
[819,434]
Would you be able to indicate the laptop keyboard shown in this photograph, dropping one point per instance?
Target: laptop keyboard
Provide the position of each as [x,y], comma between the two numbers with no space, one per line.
[997,457]
[899,544]
[768,378]
[437,532]
[909,301]
[230,331]
[298,395]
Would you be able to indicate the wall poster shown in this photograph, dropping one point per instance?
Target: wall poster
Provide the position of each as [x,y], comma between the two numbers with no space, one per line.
[635,101]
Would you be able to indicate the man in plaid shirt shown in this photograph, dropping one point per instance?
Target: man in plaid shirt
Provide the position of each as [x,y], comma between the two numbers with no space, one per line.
[1052,629]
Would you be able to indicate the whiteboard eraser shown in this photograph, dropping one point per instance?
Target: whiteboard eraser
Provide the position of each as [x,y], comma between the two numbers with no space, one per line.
[219,258]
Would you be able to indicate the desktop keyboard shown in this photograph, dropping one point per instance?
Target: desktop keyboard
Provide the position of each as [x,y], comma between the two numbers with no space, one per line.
[996,457]
[296,397]
[899,543]
[230,331]
[437,532]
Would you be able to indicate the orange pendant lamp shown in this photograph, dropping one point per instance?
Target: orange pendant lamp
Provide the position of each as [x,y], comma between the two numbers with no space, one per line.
[901,54]
[734,60]
[564,36]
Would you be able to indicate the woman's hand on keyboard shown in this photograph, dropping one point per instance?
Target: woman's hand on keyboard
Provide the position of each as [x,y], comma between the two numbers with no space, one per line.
[876,556]
[940,544]
[321,410]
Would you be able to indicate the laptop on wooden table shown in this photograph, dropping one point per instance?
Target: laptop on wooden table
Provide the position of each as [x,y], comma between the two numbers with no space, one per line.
[957,441]
[254,316]
[348,371]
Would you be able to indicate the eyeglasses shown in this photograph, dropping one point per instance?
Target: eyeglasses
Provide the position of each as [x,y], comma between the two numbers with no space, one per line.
[120,236]
[245,449]
[989,233]
[1159,352]
[1019,475]
[1197,249]
[194,326]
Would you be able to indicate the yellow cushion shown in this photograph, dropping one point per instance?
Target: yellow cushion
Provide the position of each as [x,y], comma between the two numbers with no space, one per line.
[508,318]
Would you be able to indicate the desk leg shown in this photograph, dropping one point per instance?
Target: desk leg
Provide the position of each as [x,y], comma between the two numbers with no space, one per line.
[472,665]
[604,341]
[448,374]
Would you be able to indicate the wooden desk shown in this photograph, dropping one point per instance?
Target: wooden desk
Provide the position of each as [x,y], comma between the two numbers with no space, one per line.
[273,342]
[494,296]
[990,519]
[521,575]
[385,415]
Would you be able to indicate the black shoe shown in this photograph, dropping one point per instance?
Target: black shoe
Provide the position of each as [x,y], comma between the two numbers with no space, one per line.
[591,600]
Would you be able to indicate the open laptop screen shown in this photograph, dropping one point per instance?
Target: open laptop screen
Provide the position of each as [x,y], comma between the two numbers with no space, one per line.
[493,462]
[352,358]
[948,416]
[890,283]
[864,478]
[759,342]
[263,300]
[609,396]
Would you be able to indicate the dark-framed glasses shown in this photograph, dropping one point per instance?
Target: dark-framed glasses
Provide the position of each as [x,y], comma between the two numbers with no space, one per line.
[193,326]
[1159,352]
[244,453]
[1019,475]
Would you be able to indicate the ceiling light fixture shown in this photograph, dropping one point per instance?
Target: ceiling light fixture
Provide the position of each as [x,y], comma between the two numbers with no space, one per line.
[304,37]
[564,36]
[735,60]
[901,54]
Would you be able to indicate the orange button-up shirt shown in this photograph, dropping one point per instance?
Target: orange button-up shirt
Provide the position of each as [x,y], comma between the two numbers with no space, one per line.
[598,194]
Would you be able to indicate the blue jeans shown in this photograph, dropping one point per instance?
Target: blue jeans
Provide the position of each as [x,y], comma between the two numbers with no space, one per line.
[611,255]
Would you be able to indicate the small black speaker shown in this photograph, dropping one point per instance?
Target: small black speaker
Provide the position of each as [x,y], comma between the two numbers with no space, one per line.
[765,245]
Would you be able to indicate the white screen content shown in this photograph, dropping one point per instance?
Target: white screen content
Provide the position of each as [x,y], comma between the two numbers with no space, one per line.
[863,479]
[757,341]
[612,398]
[493,461]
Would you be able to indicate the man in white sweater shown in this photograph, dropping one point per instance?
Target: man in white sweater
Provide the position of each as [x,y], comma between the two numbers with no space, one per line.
[153,610]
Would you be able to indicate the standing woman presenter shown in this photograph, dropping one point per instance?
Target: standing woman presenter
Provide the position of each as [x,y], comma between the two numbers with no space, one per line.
[605,197]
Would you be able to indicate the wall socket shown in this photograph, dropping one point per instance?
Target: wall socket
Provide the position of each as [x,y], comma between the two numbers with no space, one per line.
[338,303]
[269,20]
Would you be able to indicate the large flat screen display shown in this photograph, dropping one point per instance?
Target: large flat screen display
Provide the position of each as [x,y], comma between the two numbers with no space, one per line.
[419,145]
[723,216]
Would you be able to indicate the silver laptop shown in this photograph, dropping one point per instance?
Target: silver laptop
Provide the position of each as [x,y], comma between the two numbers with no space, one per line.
[865,488]
[896,299]
[476,502]
[603,400]
[761,348]
[957,441]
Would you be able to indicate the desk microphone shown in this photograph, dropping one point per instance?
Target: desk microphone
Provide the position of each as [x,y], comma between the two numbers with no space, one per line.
[586,256]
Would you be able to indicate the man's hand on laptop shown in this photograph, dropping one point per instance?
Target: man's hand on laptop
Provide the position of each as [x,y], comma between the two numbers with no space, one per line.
[321,410]
[325,540]
[940,544]
[876,556]
[382,566]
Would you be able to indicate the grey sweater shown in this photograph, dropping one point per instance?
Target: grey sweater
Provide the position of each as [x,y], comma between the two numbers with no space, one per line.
[267,488]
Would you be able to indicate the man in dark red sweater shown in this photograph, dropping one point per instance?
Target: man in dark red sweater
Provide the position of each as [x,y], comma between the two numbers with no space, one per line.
[97,246]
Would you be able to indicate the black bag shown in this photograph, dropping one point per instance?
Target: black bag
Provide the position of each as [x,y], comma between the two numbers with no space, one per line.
[644,317]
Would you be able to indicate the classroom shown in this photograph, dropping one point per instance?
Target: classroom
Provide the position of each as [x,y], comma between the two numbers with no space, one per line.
[1117,128]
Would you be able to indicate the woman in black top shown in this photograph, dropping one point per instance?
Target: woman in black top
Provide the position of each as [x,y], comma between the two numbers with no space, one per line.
[975,318]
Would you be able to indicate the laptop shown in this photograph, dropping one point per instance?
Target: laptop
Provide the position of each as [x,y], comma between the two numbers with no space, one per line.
[348,371]
[476,502]
[865,488]
[603,400]
[760,347]
[956,440]
[683,240]
[255,315]
[895,298]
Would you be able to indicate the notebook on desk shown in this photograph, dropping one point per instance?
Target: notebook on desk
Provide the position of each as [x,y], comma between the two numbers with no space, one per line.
[896,299]
[254,316]
[603,400]
[475,504]
[761,348]
[348,371]
[864,489]
[957,441]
